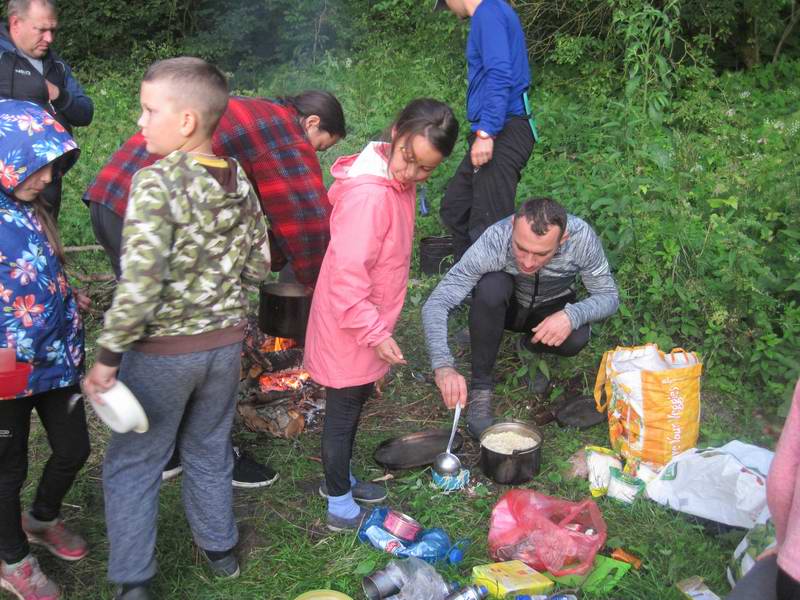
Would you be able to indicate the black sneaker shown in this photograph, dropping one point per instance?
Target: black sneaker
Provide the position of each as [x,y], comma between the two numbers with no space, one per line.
[248,474]
[341,524]
[173,468]
[225,567]
[363,491]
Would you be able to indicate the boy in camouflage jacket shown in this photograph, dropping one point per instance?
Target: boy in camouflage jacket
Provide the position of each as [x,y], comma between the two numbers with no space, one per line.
[194,235]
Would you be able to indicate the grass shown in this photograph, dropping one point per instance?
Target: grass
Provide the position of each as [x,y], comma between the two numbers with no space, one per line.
[286,549]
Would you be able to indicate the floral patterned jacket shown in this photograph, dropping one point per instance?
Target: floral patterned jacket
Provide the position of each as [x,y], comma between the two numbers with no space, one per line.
[38,310]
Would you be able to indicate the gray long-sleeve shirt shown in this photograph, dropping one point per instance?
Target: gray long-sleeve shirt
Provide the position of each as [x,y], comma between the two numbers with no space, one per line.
[581,254]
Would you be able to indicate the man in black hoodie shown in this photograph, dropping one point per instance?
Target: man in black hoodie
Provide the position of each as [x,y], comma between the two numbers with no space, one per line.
[30,70]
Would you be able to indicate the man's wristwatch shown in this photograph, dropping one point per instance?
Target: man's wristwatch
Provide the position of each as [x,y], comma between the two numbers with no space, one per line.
[483,135]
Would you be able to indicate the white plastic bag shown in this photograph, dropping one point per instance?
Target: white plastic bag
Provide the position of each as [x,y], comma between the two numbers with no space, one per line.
[726,484]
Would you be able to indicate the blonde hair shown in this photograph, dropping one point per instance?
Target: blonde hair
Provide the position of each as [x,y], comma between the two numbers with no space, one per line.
[194,83]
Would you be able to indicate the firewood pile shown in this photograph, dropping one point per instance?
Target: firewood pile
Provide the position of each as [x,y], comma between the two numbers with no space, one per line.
[277,395]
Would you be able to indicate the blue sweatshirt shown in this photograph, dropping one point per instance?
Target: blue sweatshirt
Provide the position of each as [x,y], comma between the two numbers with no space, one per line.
[497,66]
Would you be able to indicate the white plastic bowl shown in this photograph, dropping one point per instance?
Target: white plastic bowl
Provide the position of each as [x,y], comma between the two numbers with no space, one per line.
[121,410]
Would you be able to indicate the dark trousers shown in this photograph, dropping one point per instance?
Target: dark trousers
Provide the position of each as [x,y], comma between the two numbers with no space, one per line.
[787,588]
[495,309]
[69,440]
[474,200]
[107,227]
[342,412]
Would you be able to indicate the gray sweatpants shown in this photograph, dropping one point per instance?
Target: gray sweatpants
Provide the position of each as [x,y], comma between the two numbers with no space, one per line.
[189,400]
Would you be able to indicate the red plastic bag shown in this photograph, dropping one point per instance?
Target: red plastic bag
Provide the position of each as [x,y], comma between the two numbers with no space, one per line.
[547,534]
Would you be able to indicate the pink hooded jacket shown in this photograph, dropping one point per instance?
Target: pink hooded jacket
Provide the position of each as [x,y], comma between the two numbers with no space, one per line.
[783,491]
[363,280]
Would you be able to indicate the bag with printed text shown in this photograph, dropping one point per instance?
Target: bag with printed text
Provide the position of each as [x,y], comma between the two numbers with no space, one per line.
[653,401]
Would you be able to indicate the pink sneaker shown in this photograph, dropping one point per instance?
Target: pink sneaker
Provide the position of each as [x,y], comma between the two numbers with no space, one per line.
[27,582]
[54,536]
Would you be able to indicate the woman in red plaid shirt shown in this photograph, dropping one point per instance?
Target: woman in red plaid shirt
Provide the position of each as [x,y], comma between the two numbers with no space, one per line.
[276,142]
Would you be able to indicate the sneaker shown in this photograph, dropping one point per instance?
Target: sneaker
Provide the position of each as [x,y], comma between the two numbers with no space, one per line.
[139,592]
[53,535]
[363,491]
[26,581]
[173,468]
[225,567]
[341,524]
[247,473]
[479,412]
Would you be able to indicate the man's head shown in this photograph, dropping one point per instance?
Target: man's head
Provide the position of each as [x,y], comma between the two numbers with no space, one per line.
[461,8]
[182,101]
[540,227]
[32,25]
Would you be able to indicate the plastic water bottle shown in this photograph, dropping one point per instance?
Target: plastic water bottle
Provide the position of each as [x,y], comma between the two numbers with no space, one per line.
[470,592]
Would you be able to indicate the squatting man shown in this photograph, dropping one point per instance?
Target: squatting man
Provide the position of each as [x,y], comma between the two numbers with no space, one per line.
[523,270]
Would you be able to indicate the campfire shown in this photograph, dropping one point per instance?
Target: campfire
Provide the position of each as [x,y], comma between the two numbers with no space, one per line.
[284,381]
[279,396]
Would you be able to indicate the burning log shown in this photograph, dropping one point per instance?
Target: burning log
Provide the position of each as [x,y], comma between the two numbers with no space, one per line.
[279,396]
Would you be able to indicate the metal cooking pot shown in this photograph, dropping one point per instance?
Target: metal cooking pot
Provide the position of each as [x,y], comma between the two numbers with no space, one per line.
[516,468]
[283,309]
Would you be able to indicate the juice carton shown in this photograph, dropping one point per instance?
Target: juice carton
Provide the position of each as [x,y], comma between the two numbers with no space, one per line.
[504,579]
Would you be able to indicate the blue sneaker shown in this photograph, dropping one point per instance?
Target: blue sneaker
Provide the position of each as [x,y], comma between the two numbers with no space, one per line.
[341,524]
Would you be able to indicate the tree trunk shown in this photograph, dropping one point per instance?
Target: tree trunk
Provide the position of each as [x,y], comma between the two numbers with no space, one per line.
[795,18]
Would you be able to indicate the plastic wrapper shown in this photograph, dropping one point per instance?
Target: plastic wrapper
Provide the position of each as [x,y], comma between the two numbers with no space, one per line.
[624,487]
[431,545]
[599,462]
[547,534]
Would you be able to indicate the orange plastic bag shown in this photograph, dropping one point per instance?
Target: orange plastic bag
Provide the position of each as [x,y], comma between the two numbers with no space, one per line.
[547,534]
[653,401]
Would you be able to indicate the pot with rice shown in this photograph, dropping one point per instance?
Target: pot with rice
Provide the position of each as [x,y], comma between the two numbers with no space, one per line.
[511,452]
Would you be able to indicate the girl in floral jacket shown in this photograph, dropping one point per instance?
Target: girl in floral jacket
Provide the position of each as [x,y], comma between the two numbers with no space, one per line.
[39,318]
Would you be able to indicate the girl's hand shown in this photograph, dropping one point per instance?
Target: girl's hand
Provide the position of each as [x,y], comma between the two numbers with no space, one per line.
[388,351]
[99,379]
[84,301]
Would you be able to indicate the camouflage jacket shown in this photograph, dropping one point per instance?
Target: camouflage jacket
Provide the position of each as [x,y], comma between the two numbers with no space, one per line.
[189,249]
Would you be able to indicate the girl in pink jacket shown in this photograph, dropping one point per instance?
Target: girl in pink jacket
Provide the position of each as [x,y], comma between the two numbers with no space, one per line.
[362,285]
[776,575]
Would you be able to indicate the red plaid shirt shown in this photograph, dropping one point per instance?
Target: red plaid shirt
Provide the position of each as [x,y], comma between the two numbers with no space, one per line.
[270,143]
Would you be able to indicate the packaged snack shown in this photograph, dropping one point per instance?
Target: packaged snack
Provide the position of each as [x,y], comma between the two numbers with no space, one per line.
[504,579]
[695,588]
[624,487]
[599,462]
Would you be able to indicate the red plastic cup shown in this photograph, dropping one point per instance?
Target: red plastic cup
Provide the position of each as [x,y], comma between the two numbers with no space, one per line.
[14,382]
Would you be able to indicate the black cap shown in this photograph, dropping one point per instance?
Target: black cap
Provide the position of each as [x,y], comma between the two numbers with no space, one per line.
[439,5]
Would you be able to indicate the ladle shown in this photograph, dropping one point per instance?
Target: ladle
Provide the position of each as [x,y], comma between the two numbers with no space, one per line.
[447,463]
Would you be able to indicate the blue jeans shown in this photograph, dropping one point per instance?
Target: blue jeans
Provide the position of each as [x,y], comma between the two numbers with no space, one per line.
[189,400]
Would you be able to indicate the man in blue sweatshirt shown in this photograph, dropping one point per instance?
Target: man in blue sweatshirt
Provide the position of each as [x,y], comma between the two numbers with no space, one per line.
[484,187]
